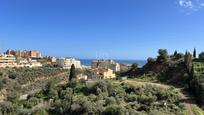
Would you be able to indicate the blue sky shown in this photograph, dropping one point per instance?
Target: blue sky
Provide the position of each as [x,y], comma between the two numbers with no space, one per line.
[120,29]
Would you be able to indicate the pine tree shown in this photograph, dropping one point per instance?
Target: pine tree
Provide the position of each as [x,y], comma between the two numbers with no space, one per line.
[194,53]
[72,74]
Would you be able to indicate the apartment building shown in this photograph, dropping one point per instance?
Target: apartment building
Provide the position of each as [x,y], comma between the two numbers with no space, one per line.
[24,53]
[12,61]
[110,64]
[7,61]
[66,63]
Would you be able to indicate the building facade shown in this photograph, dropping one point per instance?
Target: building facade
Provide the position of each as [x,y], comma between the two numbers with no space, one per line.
[110,64]
[24,53]
[50,59]
[66,63]
[100,73]
[12,61]
[82,77]
[7,61]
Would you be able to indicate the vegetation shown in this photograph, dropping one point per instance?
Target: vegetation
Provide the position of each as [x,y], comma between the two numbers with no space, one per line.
[59,93]
[194,53]
[188,61]
[101,97]
[184,70]
[25,75]
[72,74]
[27,80]
[201,55]
[197,110]
[171,69]
[163,55]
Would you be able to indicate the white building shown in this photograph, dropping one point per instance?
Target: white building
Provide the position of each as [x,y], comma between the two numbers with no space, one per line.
[82,77]
[12,61]
[7,61]
[66,63]
[110,64]
[35,63]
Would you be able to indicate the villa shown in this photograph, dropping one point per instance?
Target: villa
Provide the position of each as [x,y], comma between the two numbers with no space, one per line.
[102,73]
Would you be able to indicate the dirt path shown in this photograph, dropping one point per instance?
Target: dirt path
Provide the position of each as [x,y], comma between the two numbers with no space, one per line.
[188,101]
[189,109]
[134,82]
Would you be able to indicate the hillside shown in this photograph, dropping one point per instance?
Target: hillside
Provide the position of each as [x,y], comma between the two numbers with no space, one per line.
[101,97]
[21,81]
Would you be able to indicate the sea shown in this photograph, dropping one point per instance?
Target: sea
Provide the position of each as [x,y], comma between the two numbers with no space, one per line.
[87,62]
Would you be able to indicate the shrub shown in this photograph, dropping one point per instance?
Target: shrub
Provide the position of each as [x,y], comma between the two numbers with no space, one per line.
[13,75]
[41,112]
[13,96]
[114,110]
[110,100]
[7,108]
[201,55]
[31,102]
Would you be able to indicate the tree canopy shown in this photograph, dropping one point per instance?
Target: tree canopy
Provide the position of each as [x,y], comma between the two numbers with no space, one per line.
[163,55]
[201,55]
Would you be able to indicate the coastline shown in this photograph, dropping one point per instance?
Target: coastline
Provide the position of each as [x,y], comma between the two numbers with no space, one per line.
[87,62]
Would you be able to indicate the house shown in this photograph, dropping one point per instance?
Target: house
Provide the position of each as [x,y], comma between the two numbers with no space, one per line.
[103,73]
[21,60]
[82,77]
[50,59]
[66,63]
[111,64]
[125,67]
[35,63]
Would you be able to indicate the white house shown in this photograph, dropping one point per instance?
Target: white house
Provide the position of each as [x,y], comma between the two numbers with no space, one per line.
[66,63]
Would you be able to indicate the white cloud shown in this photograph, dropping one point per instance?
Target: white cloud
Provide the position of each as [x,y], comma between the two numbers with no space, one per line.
[190,5]
[186,3]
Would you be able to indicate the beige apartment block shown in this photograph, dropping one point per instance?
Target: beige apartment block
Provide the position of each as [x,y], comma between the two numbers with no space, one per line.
[66,63]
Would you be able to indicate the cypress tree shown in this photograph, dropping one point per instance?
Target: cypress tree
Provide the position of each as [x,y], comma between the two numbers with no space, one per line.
[72,74]
[175,53]
[194,53]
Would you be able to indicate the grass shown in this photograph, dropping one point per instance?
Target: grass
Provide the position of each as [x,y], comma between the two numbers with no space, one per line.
[196,110]
[149,77]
